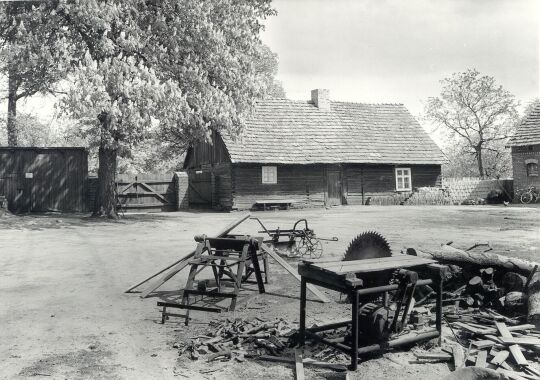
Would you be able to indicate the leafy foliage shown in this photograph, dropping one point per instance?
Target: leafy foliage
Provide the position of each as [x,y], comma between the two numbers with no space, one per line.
[479,113]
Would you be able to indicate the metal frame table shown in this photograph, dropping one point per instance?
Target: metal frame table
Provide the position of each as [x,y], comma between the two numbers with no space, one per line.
[342,277]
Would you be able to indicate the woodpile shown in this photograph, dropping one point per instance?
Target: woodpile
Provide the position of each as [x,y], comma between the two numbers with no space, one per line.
[492,307]
[493,279]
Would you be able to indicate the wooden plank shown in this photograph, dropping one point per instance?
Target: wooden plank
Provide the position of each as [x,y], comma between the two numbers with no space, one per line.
[371,265]
[433,356]
[459,356]
[515,350]
[307,361]
[299,365]
[500,357]
[481,359]
[523,341]
[484,343]
[325,263]
[292,271]
[178,265]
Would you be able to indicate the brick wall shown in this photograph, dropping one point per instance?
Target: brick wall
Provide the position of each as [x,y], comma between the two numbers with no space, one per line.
[181,184]
[520,154]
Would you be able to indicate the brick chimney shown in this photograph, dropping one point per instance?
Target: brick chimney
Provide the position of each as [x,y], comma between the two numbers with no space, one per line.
[321,98]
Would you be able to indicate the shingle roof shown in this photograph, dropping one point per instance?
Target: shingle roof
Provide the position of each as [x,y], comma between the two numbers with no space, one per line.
[287,131]
[528,133]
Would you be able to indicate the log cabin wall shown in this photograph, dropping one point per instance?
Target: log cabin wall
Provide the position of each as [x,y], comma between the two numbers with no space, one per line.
[305,184]
[362,181]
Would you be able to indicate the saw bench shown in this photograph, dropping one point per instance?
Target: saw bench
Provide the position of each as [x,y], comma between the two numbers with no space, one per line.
[233,260]
[381,327]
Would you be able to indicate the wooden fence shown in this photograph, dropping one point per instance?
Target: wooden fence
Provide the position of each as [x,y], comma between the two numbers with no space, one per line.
[146,192]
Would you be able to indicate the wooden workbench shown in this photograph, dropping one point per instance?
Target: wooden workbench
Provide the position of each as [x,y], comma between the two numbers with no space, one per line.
[346,277]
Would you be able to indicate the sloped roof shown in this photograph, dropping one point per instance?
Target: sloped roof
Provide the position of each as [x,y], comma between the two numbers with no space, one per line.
[287,131]
[528,133]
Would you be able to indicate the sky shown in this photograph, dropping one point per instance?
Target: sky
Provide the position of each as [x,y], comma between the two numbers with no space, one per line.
[397,51]
[394,51]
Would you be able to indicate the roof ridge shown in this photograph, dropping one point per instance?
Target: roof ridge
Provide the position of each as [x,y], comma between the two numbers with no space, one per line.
[367,104]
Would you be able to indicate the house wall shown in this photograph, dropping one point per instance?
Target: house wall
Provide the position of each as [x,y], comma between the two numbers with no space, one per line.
[305,184]
[42,179]
[378,181]
[520,154]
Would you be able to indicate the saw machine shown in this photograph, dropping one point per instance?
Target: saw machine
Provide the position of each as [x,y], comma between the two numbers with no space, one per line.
[380,288]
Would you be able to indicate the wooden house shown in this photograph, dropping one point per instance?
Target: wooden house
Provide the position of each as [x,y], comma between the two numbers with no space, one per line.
[313,153]
[525,145]
[43,179]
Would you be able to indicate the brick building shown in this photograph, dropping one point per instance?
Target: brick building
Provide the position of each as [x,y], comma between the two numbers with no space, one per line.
[525,145]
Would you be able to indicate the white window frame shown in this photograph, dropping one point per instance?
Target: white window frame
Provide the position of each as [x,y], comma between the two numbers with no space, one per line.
[269,175]
[405,174]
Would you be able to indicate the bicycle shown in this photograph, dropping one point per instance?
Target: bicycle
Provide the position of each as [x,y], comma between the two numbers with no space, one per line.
[528,195]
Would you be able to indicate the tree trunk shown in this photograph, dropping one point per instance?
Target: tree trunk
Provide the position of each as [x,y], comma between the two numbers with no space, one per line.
[105,201]
[12,109]
[451,255]
[479,161]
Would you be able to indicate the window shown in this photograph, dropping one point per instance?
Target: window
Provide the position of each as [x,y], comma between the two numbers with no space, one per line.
[403,179]
[269,174]
[532,167]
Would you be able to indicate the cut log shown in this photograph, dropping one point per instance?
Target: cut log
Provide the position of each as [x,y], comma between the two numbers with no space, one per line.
[450,255]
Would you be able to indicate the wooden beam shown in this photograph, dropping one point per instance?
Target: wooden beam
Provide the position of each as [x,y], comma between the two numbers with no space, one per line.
[178,265]
[292,271]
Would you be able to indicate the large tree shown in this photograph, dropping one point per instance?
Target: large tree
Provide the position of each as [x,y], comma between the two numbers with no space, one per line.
[34,56]
[182,68]
[478,112]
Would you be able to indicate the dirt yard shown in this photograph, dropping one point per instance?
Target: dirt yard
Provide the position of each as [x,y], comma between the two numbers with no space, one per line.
[64,313]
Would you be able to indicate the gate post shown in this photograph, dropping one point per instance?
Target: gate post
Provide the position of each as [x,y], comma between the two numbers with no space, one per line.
[181,185]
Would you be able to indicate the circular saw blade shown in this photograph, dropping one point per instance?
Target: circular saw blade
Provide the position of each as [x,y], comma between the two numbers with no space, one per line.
[370,245]
[367,245]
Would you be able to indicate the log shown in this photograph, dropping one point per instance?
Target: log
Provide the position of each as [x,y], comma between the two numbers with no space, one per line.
[451,255]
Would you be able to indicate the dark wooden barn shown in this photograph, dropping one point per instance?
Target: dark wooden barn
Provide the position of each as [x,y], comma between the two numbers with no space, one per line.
[313,153]
[525,145]
[43,179]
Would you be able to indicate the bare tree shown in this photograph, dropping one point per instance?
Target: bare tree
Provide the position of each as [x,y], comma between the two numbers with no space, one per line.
[477,111]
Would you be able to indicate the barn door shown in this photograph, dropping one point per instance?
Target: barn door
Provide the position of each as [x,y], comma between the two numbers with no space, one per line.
[333,185]
[17,193]
[200,190]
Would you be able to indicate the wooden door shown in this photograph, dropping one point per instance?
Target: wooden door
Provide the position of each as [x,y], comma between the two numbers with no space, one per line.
[200,190]
[333,185]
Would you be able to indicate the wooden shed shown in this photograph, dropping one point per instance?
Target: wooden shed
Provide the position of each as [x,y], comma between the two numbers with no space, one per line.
[313,153]
[525,145]
[43,179]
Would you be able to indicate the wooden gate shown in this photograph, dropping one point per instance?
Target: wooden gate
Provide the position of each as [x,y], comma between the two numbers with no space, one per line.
[333,185]
[146,192]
